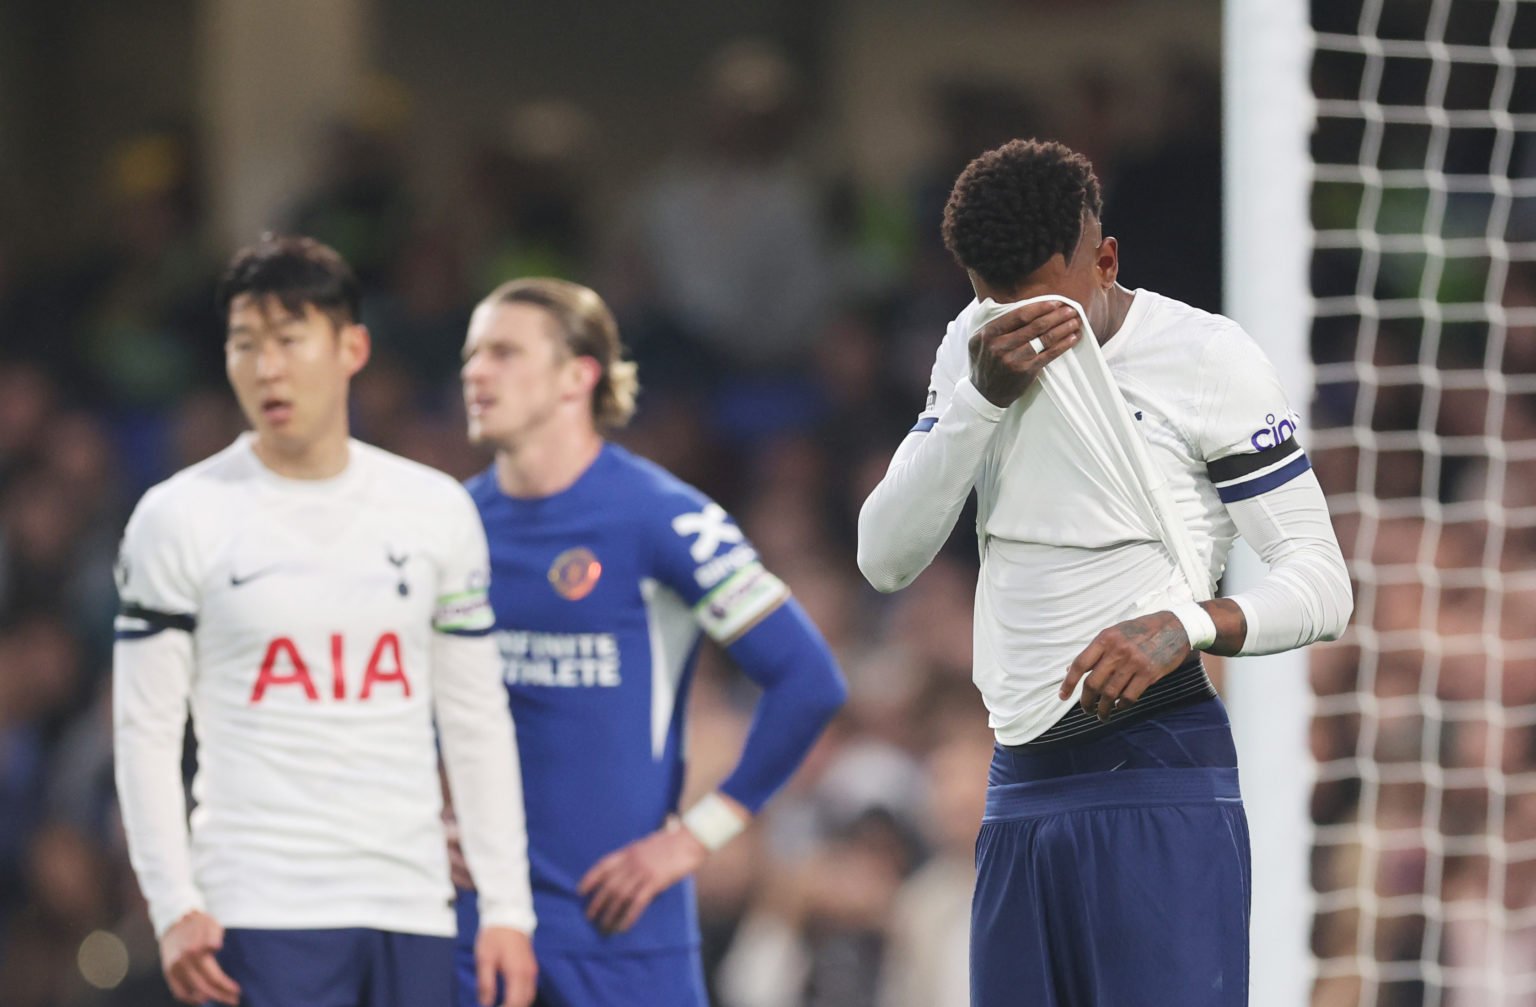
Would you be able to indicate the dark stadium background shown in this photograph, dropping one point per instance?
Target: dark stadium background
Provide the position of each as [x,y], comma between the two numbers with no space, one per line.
[756,188]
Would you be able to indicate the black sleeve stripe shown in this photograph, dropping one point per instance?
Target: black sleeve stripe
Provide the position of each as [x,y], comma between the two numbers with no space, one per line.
[1245,489]
[121,635]
[467,633]
[1234,467]
[149,621]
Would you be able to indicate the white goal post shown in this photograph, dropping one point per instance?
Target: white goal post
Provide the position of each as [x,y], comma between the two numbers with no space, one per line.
[1266,120]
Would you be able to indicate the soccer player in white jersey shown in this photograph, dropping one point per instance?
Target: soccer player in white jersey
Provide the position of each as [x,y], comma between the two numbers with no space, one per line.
[1112,864]
[317,603]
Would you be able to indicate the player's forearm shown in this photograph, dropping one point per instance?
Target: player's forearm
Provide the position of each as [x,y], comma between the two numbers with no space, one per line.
[802,691]
[481,760]
[1305,597]
[151,682]
[911,512]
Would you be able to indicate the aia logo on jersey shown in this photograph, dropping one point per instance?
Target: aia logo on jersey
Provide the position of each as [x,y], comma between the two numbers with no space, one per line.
[284,666]
[574,573]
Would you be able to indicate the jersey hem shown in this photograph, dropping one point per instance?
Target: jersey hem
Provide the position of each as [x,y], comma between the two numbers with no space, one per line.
[437,923]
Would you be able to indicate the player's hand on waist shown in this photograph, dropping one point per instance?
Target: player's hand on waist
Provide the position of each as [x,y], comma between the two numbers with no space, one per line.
[1009,351]
[1124,660]
[508,954]
[620,886]
[187,950]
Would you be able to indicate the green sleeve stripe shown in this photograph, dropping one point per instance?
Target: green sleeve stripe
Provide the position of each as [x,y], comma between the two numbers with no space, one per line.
[468,622]
[448,599]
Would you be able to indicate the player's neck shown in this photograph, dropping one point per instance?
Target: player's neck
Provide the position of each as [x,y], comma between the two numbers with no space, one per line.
[1120,301]
[323,458]
[545,465]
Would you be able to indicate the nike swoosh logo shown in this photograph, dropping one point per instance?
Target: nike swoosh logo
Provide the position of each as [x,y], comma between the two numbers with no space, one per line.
[237,581]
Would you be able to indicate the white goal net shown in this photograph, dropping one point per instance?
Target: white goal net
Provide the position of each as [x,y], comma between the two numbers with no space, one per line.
[1423,336]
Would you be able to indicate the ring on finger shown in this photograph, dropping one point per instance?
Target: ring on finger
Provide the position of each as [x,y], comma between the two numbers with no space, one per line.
[1037,346]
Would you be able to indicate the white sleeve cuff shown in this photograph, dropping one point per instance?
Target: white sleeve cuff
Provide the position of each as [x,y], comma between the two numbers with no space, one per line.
[969,395]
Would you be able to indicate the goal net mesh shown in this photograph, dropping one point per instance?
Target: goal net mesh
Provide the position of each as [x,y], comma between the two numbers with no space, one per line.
[1424,436]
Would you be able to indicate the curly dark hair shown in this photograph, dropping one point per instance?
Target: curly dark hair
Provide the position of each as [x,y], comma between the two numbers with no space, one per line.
[1016,206]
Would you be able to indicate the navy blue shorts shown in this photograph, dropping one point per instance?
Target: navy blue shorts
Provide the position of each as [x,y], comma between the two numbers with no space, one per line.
[349,967]
[1115,872]
[674,978]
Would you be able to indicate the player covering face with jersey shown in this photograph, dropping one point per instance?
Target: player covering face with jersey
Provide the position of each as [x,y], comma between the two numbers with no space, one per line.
[606,571]
[1112,863]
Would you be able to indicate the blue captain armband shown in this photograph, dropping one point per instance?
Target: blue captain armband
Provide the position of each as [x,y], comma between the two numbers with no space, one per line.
[924,425]
[1242,477]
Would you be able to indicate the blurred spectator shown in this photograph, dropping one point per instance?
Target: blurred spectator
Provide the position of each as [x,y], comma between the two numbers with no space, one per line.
[128,319]
[928,956]
[730,233]
[360,204]
[531,191]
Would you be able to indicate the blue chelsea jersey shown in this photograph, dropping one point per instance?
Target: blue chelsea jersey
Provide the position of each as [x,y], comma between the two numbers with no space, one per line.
[601,594]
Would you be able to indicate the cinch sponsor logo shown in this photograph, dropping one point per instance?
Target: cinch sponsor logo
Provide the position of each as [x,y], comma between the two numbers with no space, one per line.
[1274,433]
[721,567]
[562,660]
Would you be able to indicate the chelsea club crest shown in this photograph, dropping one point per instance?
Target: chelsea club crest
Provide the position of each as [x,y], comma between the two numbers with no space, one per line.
[574,573]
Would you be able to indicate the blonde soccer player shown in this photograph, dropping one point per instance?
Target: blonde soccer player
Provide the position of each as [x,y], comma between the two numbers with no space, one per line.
[607,572]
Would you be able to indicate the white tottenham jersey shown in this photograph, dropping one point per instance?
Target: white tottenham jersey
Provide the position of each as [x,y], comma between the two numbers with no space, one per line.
[315,627]
[1065,554]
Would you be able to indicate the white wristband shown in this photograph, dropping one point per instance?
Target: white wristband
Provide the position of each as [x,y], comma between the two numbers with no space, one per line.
[1197,624]
[713,822]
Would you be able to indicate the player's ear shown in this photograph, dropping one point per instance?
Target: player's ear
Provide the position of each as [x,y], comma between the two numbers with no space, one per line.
[586,373]
[356,346]
[1106,261]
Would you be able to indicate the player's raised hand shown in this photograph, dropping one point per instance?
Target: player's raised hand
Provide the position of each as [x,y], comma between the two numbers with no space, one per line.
[501,952]
[187,952]
[1009,351]
[1124,660]
[621,885]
